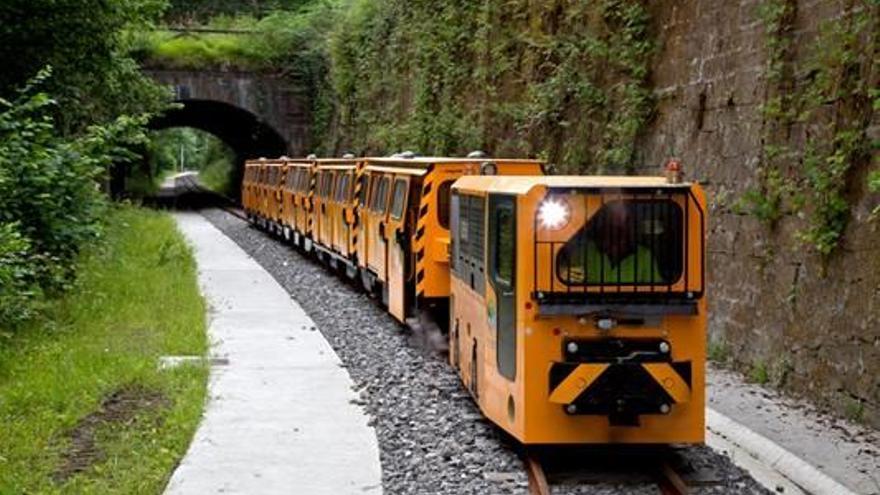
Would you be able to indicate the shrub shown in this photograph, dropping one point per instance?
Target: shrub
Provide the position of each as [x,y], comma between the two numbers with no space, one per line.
[50,198]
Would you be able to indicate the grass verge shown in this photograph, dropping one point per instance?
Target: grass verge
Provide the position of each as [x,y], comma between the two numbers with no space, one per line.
[83,406]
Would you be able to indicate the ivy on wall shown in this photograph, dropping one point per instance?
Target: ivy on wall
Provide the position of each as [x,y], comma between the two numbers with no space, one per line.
[829,98]
[566,81]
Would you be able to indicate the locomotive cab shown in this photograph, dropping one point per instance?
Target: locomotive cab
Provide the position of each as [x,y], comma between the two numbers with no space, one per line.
[577,306]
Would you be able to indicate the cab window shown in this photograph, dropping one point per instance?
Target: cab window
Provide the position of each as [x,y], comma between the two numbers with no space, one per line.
[343,192]
[328,186]
[380,195]
[443,203]
[633,242]
[304,178]
[399,199]
[362,193]
[341,186]
[504,246]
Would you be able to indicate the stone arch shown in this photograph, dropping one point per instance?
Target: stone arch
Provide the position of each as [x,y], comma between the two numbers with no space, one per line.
[247,135]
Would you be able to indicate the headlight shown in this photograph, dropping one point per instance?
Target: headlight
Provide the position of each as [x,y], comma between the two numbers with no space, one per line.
[553,213]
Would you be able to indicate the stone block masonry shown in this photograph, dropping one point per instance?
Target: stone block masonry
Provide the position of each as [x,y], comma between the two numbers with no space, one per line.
[814,328]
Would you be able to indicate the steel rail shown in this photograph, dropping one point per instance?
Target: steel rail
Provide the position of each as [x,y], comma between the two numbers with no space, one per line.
[537,479]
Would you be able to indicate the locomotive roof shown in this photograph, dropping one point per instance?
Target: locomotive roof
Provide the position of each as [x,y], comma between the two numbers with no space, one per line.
[522,184]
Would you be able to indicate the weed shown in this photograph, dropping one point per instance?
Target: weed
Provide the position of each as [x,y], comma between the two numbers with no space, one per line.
[854,409]
[759,373]
[718,351]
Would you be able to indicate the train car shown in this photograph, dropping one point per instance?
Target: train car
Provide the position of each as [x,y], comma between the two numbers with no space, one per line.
[248,188]
[295,200]
[276,171]
[332,212]
[261,189]
[402,227]
[577,306]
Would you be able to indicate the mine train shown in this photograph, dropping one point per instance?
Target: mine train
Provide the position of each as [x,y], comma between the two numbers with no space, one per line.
[574,306]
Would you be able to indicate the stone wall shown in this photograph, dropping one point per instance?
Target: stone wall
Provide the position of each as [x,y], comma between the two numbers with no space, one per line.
[275,100]
[814,326]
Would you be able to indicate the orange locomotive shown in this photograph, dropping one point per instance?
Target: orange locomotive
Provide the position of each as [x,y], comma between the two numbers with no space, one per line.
[575,304]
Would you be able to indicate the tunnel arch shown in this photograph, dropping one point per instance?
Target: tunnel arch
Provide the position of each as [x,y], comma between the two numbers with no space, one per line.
[244,132]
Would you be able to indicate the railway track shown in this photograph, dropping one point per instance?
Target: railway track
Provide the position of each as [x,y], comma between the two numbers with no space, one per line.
[590,467]
[188,190]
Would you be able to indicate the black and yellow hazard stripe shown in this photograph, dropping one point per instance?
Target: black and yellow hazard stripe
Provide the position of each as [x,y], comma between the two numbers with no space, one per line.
[310,202]
[355,213]
[428,198]
[571,382]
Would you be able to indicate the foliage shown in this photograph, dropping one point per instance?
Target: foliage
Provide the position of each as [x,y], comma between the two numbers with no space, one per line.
[718,351]
[766,203]
[16,275]
[191,149]
[252,43]
[854,409]
[50,205]
[130,307]
[759,373]
[513,77]
[193,11]
[84,41]
[833,102]
[766,200]
[840,67]
[874,187]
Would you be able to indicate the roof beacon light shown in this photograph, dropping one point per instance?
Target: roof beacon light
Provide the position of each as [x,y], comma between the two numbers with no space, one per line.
[489,168]
[673,171]
[553,213]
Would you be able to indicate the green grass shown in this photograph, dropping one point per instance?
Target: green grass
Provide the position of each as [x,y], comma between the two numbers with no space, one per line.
[136,299]
[246,49]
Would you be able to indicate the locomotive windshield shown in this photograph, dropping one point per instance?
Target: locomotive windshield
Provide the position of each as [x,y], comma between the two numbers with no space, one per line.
[626,242]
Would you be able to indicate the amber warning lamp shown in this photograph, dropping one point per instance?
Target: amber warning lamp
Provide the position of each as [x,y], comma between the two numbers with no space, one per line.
[673,171]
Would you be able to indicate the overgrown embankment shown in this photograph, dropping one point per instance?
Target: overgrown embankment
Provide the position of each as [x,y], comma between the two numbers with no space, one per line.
[83,405]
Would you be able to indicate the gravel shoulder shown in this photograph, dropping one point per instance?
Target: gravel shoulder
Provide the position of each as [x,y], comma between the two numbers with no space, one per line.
[432,438]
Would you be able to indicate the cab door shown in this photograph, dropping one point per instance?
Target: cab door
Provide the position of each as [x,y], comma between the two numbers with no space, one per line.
[362,218]
[397,247]
[327,210]
[377,227]
[340,219]
[502,279]
[301,192]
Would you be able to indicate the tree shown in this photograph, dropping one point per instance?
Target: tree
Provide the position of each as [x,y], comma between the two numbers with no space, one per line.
[84,41]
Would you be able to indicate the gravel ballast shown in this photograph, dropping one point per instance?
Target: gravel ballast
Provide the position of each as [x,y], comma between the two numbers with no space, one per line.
[432,437]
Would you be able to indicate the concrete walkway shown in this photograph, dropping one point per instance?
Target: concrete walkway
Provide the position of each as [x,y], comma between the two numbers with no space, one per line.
[817,452]
[281,416]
